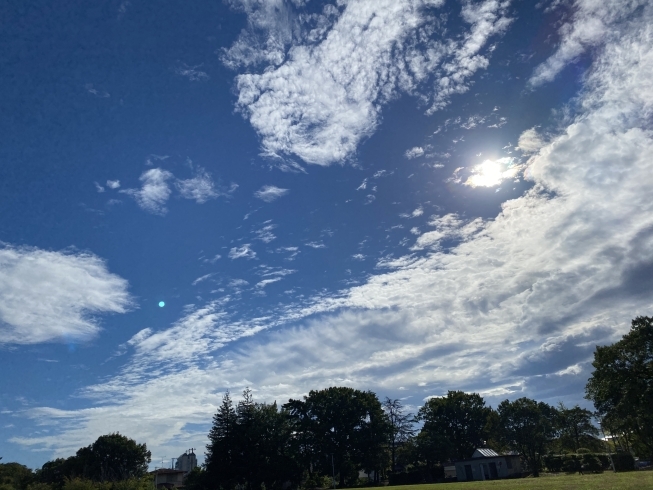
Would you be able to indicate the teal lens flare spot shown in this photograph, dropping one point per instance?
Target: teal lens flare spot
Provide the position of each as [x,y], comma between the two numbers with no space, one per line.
[162,304]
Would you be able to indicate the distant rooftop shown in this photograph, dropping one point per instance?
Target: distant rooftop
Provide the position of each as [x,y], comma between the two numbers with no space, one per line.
[485,453]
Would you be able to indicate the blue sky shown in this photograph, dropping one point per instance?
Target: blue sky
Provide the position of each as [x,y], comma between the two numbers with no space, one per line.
[407,196]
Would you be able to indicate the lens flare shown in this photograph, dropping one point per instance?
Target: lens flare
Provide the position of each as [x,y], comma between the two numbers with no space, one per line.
[162,304]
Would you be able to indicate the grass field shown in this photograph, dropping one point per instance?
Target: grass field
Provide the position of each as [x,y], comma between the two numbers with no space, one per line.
[634,480]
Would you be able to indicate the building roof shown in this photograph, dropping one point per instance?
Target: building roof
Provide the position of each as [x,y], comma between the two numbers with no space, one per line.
[483,452]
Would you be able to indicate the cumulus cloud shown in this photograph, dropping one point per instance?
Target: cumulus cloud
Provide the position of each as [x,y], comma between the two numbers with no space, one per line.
[154,192]
[55,296]
[326,77]
[530,141]
[269,193]
[113,184]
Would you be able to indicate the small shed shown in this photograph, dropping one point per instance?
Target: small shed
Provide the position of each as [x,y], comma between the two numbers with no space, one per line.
[486,464]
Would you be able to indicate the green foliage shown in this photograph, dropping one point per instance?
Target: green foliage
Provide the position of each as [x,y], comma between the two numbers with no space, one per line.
[530,427]
[576,427]
[621,387]
[112,458]
[249,445]
[142,483]
[340,428]
[454,425]
[623,462]
[401,427]
[197,479]
[15,476]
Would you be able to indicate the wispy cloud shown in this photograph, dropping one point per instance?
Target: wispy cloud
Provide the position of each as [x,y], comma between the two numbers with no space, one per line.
[199,188]
[192,73]
[269,193]
[55,296]
[242,252]
[592,23]
[265,233]
[113,184]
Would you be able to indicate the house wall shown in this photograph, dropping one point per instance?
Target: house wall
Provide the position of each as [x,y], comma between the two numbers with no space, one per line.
[479,472]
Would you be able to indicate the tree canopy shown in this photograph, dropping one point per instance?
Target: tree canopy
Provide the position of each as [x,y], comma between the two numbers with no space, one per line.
[529,426]
[454,424]
[621,386]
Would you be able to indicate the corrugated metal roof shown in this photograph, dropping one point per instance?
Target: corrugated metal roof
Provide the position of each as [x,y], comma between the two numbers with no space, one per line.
[485,452]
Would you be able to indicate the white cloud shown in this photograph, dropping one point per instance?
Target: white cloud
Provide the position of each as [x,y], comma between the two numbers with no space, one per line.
[154,193]
[530,141]
[269,193]
[415,152]
[592,23]
[265,282]
[202,278]
[192,73]
[98,187]
[113,184]
[315,245]
[243,252]
[324,83]
[55,296]
[265,233]
[417,212]
[200,187]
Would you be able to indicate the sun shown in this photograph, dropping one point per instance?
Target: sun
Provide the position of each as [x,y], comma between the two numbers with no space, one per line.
[491,173]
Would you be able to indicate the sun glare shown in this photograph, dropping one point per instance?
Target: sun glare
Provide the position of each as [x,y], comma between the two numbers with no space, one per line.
[491,173]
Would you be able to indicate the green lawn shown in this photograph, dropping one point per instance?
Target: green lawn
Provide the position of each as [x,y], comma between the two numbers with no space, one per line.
[606,481]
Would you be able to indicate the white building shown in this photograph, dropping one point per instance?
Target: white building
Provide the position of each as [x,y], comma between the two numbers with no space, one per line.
[187,461]
[485,464]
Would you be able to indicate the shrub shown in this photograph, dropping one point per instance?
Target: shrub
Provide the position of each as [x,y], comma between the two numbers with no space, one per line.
[623,462]
[571,464]
[591,463]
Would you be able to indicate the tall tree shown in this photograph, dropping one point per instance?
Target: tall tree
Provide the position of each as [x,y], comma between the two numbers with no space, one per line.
[621,386]
[220,451]
[346,428]
[455,424]
[401,427]
[249,446]
[529,427]
[575,426]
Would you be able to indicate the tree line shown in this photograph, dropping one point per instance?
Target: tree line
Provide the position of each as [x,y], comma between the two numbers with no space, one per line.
[338,431]
[329,436]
